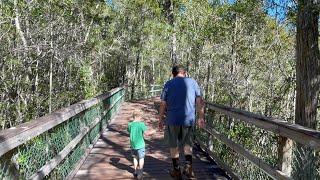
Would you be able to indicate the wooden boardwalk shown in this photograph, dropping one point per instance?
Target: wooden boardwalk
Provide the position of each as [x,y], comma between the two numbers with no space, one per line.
[110,157]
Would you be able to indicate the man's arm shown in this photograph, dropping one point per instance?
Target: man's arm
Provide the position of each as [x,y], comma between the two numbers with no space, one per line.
[162,109]
[200,110]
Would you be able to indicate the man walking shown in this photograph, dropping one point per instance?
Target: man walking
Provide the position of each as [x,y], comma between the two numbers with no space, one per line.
[179,99]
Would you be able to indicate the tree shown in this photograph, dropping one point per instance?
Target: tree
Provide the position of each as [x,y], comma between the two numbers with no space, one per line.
[168,6]
[307,80]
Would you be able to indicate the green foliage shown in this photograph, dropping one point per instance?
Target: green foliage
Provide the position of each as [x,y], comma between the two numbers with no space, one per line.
[305,163]
[67,32]
[85,73]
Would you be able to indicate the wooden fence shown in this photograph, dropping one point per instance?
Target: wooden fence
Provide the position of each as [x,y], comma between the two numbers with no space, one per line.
[82,122]
[287,133]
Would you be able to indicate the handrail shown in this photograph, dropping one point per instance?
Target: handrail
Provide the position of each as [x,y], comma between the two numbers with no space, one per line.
[147,91]
[49,166]
[276,174]
[303,135]
[16,136]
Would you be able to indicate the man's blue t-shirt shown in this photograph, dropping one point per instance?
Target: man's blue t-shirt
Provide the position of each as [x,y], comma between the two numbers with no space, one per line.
[180,95]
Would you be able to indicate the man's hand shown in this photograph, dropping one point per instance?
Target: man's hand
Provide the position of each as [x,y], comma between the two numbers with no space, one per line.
[160,123]
[201,123]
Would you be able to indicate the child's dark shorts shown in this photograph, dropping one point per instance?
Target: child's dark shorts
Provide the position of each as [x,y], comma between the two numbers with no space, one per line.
[138,153]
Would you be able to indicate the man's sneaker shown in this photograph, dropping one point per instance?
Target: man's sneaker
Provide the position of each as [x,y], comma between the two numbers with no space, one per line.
[187,171]
[176,173]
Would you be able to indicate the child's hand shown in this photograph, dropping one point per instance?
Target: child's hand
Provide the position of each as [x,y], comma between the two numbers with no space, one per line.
[150,132]
[160,125]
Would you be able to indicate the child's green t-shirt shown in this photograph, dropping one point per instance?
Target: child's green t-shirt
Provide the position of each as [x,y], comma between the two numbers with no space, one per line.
[136,130]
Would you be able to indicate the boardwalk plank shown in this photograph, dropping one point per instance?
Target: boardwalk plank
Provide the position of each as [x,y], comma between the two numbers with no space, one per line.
[110,157]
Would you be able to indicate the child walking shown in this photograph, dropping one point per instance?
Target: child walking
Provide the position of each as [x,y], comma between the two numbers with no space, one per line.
[137,129]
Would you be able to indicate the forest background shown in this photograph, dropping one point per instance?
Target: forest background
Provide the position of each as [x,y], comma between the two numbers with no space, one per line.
[242,52]
[56,53]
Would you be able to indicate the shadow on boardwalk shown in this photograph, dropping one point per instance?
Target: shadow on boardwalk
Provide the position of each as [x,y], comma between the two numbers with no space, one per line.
[111,156]
[153,166]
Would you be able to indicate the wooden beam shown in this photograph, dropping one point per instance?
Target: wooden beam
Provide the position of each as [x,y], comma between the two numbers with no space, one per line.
[303,135]
[14,137]
[275,174]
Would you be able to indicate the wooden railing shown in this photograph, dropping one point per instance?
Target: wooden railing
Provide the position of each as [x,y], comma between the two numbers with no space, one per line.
[139,92]
[286,132]
[62,138]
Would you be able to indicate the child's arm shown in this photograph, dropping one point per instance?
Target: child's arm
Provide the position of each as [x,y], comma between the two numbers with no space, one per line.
[149,132]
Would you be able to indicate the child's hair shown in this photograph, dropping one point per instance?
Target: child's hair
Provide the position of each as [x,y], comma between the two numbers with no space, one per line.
[137,113]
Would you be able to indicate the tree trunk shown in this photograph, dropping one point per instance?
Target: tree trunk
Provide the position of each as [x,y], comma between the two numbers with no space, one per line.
[208,81]
[17,23]
[153,71]
[50,87]
[174,58]
[135,73]
[308,81]
[168,8]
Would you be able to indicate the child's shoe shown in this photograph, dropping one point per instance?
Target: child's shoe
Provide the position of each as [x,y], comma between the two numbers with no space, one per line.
[135,174]
[140,174]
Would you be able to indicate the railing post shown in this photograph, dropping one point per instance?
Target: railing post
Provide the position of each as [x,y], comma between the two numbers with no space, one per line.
[210,142]
[152,88]
[285,155]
